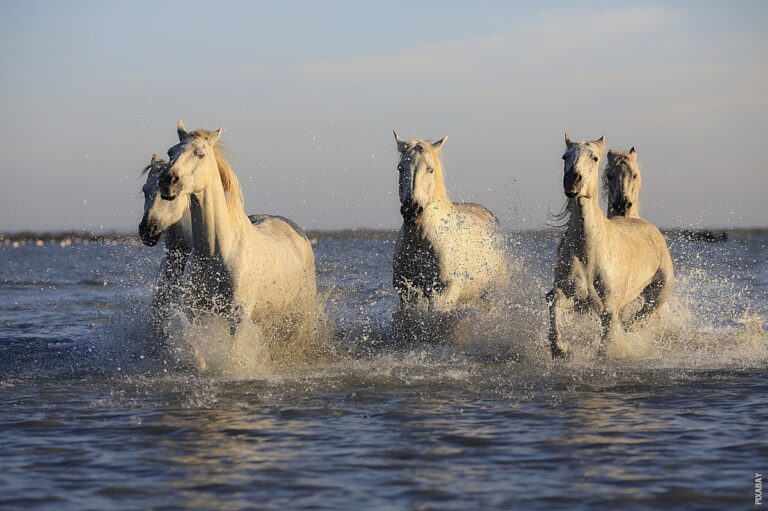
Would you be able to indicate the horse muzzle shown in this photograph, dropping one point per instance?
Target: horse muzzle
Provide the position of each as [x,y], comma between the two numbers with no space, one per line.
[571,182]
[149,233]
[411,212]
[622,206]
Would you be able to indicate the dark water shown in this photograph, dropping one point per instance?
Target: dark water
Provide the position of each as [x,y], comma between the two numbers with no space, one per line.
[95,416]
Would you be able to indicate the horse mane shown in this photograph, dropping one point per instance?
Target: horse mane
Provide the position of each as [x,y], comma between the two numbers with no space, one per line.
[561,218]
[154,164]
[229,181]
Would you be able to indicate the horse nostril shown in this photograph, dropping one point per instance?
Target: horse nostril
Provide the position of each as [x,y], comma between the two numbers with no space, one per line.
[174,180]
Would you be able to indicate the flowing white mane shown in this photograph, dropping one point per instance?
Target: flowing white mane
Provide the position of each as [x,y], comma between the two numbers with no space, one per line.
[229,180]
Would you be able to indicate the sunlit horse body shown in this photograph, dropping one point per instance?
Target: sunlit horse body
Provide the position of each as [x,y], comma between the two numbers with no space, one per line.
[621,183]
[263,272]
[446,253]
[603,264]
[170,219]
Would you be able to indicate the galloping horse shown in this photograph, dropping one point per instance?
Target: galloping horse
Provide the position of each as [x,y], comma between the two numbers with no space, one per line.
[621,183]
[446,253]
[263,272]
[603,264]
[171,218]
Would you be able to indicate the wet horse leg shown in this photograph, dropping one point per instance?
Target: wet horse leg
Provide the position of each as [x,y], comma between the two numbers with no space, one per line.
[609,320]
[654,295]
[555,299]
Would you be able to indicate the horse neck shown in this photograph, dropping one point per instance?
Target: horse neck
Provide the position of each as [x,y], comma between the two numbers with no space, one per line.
[179,235]
[214,230]
[440,196]
[436,216]
[634,211]
[587,221]
[177,247]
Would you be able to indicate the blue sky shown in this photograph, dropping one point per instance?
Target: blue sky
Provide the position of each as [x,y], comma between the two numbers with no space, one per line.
[309,92]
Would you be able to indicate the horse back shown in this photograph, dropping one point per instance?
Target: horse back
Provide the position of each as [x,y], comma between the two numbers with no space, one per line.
[641,247]
[261,218]
[638,234]
[477,210]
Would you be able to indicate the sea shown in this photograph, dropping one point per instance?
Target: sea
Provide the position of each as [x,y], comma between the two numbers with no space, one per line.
[100,409]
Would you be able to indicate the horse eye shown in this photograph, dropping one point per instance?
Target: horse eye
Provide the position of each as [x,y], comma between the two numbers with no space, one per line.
[199,154]
[431,170]
[595,158]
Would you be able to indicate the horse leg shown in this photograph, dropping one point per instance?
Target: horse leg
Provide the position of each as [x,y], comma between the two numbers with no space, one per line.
[654,295]
[160,305]
[236,319]
[558,347]
[609,320]
[445,300]
[627,314]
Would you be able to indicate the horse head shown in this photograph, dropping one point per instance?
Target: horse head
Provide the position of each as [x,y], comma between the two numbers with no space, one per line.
[159,214]
[421,180]
[192,163]
[621,182]
[581,165]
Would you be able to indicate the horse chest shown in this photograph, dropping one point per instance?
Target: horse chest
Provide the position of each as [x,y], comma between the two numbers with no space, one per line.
[576,284]
[211,284]
[417,264]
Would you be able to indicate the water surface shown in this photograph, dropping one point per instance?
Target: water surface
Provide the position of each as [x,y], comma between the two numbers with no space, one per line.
[96,416]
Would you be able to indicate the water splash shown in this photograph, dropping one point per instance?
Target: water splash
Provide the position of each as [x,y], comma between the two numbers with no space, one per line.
[204,342]
[715,319]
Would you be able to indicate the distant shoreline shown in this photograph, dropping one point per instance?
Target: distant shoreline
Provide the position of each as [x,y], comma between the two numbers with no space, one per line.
[77,237]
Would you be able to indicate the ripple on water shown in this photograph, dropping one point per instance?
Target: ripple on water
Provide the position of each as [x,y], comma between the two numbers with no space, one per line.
[100,414]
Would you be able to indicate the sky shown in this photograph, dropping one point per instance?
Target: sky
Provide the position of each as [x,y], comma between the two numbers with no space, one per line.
[308,94]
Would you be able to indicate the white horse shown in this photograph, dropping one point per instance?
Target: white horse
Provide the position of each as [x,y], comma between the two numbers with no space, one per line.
[263,272]
[603,264]
[171,218]
[446,253]
[621,183]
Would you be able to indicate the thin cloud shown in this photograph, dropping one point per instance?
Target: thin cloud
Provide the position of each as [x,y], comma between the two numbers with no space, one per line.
[554,35]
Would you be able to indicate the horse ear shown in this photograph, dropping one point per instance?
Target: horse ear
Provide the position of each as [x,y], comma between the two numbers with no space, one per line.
[601,141]
[400,142]
[155,158]
[214,137]
[440,143]
[633,152]
[568,142]
[181,130]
